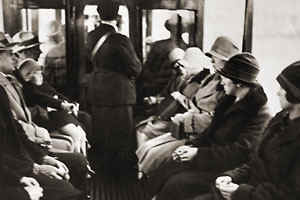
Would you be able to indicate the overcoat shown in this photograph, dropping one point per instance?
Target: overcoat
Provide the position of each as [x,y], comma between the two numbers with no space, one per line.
[274,170]
[112,94]
[225,144]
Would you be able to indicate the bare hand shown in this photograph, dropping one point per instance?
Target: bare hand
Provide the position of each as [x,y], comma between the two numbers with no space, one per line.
[43,136]
[67,106]
[228,189]
[48,170]
[28,181]
[64,171]
[221,180]
[34,192]
[185,153]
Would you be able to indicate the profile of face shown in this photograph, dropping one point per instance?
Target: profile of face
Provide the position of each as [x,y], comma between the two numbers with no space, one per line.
[37,78]
[7,63]
[229,87]
[281,93]
[217,63]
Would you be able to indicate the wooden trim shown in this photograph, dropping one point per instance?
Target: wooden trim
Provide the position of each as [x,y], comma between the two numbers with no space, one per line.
[199,24]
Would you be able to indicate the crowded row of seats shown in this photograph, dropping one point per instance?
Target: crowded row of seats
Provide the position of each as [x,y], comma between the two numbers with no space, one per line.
[210,135]
[44,138]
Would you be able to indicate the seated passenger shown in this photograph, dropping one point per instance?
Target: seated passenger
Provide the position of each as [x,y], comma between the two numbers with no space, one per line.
[28,46]
[238,120]
[21,159]
[274,169]
[157,69]
[75,162]
[62,115]
[201,94]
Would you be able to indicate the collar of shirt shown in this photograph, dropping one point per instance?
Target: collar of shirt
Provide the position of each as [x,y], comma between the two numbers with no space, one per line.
[111,24]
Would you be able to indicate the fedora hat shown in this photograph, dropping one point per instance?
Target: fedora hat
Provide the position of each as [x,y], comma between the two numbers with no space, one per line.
[25,40]
[194,60]
[243,67]
[223,48]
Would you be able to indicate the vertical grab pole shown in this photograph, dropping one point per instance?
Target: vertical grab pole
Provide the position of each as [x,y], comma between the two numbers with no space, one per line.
[248,27]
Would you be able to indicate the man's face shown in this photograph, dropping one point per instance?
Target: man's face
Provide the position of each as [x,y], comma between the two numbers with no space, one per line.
[217,63]
[7,63]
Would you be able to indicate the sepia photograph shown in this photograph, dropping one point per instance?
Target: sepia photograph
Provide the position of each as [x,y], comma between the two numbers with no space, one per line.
[149,100]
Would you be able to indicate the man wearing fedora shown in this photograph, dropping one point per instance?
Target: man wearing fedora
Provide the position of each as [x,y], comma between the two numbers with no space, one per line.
[112,94]
[239,120]
[75,164]
[24,154]
[273,170]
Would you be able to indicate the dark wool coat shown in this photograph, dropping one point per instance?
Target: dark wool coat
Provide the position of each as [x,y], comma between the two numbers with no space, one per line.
[111,94]
[18,155]
[116,68]
[274,170]
[225,144]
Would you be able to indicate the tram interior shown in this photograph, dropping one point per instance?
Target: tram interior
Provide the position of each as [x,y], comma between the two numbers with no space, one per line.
[275,37]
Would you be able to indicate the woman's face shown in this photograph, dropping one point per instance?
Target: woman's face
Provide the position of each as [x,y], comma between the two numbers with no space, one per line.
[229,86]
[37,78]
[281,93]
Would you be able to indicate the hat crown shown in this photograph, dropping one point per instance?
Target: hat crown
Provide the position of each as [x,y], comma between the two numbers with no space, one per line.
[195,58]
[108,9]
[29,65]
[176,54]
[224,48]
[243,67]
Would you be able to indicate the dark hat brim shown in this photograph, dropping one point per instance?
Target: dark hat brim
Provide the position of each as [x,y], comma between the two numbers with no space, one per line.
[214,53]
[220,71]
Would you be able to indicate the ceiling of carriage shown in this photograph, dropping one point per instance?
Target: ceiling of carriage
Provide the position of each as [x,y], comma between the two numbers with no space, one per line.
[144,4]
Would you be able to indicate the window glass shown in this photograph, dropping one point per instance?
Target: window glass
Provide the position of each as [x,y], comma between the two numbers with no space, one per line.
[276,41]
[223,18]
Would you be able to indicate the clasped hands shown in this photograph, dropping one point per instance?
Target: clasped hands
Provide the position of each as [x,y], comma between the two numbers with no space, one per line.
[32,187]
[52,168]
[226,186]
[184,153]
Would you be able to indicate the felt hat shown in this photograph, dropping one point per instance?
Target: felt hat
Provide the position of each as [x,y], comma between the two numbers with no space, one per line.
[223,48]
[243,67]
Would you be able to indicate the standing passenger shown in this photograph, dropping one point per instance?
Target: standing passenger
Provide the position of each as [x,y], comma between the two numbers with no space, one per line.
[112,92]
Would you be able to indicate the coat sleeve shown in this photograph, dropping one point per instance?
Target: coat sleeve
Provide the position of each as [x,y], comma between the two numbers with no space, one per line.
[14,169]
[289,188]
[230,155]
[128,56]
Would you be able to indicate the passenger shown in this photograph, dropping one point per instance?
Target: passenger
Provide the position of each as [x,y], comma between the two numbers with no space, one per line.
[157,68]
[75,162]
[112,95]
[22,158]
[54,35]
[201,94]
[238,120]
[56,64]
[274,169]
[28,47]
[39,92]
